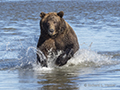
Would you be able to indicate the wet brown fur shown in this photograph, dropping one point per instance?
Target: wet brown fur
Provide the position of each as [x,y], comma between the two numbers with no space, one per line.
[63,38]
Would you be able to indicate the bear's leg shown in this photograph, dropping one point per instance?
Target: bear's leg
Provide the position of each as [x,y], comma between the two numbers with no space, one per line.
[43,62]
[63,58]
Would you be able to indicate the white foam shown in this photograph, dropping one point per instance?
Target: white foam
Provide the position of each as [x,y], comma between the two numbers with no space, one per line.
[38,69]
[89,58]
[83,57]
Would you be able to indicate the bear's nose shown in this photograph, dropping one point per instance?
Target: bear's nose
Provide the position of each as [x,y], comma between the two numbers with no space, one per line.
[51,31]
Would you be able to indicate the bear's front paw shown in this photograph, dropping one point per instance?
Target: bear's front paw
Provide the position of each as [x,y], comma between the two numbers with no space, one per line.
[61,61]
[44,63]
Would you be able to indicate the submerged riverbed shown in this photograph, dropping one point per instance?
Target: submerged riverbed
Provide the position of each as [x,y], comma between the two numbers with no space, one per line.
[96,66]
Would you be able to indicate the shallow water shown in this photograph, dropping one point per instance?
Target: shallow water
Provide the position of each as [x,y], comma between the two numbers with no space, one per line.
[95,66]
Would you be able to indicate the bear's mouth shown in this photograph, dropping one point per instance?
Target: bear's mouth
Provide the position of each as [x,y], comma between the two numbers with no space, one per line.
[53,35]
[51,32]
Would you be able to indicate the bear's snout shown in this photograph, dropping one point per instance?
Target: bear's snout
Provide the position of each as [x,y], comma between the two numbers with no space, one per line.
[51,32]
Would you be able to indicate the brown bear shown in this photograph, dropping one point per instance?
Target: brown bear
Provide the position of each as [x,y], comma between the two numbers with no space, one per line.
[56,34]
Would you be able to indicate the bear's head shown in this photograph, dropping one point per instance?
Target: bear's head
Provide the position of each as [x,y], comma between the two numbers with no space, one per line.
[52,23]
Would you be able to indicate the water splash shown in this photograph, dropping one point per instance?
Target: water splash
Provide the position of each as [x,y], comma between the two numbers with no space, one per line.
[86,57]
[83,57]
[37,51]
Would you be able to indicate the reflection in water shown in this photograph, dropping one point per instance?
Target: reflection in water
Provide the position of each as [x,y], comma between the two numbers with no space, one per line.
[57,80]
[54,80]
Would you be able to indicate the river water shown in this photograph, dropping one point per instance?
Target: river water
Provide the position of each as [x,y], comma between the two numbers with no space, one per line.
[96,66]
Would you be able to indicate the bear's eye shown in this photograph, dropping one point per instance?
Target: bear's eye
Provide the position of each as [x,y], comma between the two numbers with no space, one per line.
[48,24]
[54,22]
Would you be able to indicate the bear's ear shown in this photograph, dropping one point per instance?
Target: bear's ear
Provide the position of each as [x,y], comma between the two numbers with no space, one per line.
[61,13]
[42,14]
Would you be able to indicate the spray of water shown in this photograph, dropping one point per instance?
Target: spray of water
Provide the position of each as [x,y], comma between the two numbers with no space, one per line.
[89,58]
[83,57]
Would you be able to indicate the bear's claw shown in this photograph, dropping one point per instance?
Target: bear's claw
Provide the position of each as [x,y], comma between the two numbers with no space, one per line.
[61,61]
[44,63]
